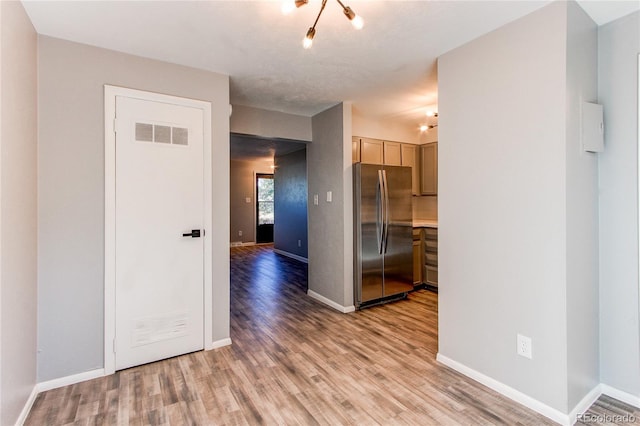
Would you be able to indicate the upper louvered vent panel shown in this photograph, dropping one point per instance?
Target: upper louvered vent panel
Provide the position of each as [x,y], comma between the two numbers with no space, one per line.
[162,134]
[144,132]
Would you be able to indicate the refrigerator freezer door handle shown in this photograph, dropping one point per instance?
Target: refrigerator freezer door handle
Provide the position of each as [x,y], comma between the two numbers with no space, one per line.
[379,213]
[386,209]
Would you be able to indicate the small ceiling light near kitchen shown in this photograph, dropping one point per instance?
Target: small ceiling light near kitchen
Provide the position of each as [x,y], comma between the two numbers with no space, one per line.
[307,42]
[424,128]
[432,114]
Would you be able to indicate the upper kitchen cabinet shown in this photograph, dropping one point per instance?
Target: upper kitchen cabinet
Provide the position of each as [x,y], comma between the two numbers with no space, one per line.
[355,147]
[409,158]
[392,153]
[429,162]
[371,151]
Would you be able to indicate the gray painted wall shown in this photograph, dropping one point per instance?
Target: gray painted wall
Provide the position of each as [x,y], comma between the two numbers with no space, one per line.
[71,193]
[270,124]
[291,203]
[618,48]
[18,209]
[517,227]
[242,186]
[331,223]
[582,210]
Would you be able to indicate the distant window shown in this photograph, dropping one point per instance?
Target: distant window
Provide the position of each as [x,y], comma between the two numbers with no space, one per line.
[265,200]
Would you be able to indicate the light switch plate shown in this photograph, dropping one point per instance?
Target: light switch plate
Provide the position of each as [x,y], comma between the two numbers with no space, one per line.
[592,127]
[329,196]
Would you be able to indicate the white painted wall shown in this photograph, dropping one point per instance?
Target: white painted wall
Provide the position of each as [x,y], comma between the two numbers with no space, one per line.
[387,129]
[18,209]
[242,185]
[618,49]
[517,206]
[71,193]
[270,124]
[583,368]
[330,223]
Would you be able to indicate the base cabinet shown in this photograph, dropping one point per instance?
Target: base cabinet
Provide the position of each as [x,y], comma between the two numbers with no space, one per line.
[417,257]
[431,256]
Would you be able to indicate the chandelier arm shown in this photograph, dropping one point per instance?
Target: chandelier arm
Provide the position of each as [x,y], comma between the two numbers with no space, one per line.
[324,3]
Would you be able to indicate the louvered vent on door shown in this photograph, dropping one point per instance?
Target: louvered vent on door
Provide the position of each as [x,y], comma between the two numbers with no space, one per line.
[162,134]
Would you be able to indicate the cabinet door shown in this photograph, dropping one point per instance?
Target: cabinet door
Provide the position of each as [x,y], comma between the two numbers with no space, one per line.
[417,263]
[429,163]
[392,156]
[409,158]
[355,149]
[371,151]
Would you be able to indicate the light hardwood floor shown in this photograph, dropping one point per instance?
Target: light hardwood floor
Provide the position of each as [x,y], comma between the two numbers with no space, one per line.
[296,361]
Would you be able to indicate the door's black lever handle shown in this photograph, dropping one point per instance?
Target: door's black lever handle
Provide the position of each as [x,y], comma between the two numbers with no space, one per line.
[195,233]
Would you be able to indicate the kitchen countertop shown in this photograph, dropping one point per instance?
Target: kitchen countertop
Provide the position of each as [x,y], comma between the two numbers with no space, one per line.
[425,223]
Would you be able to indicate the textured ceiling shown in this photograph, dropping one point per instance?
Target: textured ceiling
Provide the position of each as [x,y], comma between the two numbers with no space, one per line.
[388,69]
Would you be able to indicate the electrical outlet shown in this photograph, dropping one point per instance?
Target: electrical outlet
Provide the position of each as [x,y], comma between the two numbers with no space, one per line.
[239,233]
[525,347]
[329,196]
[315,199]
[299,243]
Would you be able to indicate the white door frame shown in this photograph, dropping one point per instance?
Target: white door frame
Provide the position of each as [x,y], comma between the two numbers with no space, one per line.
[110,93]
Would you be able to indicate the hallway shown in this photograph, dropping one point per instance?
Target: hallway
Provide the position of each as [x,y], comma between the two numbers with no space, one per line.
[294,361]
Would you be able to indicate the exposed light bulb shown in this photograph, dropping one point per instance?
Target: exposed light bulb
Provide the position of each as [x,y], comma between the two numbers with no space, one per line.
[424,128]
[307,42]
[432,114]
[357,22]
[288,6]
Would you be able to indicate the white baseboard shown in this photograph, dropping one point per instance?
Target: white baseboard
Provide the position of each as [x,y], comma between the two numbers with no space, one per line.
[625,397]
[585,403]
[331,303]
[291,255]
[529,402]
[27,406]
[70,380]
[221,343]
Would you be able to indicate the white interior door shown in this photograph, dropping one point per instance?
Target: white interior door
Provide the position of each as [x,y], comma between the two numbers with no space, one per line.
[159,196]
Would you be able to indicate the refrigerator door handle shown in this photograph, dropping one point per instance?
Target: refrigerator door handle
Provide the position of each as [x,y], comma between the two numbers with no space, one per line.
[386,209]
[379,213]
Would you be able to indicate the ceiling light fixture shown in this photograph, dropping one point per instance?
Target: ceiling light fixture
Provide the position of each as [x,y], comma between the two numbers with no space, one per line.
[432,114]
[291,5]
[307,42]
[425,128]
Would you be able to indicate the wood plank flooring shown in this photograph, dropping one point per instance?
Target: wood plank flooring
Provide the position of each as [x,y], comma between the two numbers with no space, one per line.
[295,361]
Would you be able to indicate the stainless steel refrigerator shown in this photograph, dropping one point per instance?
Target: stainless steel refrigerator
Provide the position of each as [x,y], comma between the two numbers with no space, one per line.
[383,239]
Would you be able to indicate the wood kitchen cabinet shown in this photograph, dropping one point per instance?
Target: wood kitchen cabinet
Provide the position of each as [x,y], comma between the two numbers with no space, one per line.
[417,256]
[392,153]
[355,149]
[430,274]
[409,158]
[429,166]
[371,151]
[375,151]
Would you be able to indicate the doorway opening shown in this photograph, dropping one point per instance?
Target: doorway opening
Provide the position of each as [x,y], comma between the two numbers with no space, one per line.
[265,208]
